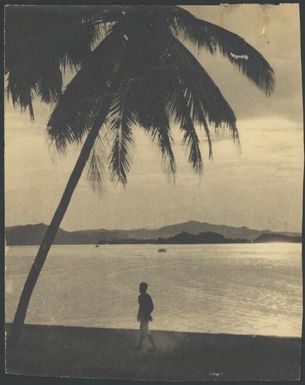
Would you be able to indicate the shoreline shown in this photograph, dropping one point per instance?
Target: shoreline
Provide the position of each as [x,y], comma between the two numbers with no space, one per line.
[109,353]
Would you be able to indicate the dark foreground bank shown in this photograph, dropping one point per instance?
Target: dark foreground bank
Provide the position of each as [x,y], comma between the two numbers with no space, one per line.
[109,353]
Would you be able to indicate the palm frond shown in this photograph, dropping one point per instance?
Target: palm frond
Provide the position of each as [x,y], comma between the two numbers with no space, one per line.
[160,131]
[199,90]
[95,165]
[103,13]
[182,114]
[233,47]
[151,113]
[79,107]
[120,122]
[207,132]
[38,41]
[148,93]
[190,137]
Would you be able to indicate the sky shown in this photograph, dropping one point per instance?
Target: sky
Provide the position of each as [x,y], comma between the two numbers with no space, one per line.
[258,185]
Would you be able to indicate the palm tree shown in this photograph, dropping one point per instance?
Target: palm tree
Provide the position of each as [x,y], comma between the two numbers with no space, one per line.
[139,73]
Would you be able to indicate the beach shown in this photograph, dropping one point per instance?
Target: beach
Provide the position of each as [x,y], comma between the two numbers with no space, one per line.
[110,353]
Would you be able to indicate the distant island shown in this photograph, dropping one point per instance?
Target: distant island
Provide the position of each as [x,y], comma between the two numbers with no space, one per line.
[191,232]
[201,238]
[180,239]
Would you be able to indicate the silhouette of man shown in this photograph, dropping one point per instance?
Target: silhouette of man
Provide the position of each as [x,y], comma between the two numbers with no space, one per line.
[146,307]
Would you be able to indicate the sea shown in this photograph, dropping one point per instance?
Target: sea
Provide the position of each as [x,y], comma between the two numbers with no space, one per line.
[251,289]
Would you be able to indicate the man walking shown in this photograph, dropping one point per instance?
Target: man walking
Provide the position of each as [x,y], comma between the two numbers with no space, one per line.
[146,307]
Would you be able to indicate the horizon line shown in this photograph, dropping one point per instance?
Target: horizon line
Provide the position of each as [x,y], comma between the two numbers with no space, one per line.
[158,228]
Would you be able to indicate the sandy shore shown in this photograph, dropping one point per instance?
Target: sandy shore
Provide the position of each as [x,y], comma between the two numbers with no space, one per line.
[110,353]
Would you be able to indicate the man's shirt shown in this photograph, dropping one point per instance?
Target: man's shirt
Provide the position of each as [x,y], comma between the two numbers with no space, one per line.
[146,306]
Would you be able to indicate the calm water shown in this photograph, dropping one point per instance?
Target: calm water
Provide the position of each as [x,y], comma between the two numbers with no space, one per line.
[238,288]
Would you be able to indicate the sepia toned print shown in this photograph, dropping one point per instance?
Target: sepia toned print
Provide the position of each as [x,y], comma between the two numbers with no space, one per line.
[153,175]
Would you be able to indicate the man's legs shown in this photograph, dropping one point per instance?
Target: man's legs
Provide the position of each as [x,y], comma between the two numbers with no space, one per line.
[145,332]
[139,346]
[149,336]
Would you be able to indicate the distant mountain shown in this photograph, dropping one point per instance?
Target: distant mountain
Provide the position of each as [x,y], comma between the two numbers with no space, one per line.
[185,237]
[29,234]
[193,227]
[181,238]
[208,237]
[33,234]
[277,238]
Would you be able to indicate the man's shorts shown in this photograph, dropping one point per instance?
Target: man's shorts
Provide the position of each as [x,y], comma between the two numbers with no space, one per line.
[144,330]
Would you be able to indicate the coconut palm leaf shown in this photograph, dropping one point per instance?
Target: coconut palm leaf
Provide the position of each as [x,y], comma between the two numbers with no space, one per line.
[199,89]
[95,165]
[100,13]
[120,122]
[146,85]
[151,113]
[79,106]
[42,40]
[162,78]
[182,115]
[233,47]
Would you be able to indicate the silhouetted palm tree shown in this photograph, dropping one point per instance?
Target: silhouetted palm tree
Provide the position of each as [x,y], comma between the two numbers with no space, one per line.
[140,73]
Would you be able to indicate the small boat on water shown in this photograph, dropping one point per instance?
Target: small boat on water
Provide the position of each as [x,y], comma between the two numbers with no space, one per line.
[162,250]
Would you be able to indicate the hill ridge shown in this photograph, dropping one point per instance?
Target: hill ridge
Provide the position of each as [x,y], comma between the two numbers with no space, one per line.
[32,234]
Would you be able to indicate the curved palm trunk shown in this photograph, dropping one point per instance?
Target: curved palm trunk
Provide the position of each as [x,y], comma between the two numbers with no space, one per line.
[50,234]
